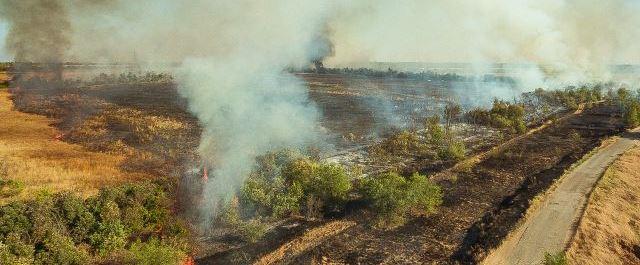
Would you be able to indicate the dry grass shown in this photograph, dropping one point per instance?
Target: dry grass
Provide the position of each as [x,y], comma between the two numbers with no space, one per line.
[609,232]
[34,157]
[4,77]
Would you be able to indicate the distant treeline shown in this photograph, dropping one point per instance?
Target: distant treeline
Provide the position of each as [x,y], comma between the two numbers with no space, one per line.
[5,66]
[423,75]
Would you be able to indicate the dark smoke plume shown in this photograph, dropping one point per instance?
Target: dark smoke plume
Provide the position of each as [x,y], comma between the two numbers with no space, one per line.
[39,29]
[322,48]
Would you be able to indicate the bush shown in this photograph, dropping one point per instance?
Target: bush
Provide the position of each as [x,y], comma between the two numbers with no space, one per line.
[76,215]
[555,259]
[154,252]
[65,229]
[403,143]
[110,236]
[502,115]
[632,114]
[60,249]
[282,188]
[331,184]
[252,230]
[392,197]
[453,151]
[435,132]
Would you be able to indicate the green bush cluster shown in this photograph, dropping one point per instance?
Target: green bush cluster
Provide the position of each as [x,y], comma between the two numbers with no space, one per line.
[392,197]
[402,144]
[435,141]
[570,97]
[448,147]
[629,102]
[285,184]
[119,222]
[502,115]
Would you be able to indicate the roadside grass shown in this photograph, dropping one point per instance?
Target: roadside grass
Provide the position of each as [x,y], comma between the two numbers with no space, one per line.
[608,231]
[555,259]
[32,157]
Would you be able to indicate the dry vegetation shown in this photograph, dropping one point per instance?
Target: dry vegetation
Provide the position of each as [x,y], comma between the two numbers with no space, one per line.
[33,157]
[609,232]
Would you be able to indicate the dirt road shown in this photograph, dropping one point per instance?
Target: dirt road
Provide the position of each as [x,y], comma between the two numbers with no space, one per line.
[551,226]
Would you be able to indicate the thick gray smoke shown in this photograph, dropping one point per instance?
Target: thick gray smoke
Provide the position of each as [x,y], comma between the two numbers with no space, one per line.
[39,29]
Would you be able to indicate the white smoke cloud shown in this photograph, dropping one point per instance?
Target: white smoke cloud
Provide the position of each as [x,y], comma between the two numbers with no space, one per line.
[574,39]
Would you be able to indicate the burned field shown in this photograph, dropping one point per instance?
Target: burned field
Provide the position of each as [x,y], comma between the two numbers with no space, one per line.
[482,202]
[144,118]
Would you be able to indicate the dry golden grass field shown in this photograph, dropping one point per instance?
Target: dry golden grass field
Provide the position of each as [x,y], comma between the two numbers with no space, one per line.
[31,156]
[609,232]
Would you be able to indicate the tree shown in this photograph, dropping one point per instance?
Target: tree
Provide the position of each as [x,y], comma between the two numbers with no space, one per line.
[451,112]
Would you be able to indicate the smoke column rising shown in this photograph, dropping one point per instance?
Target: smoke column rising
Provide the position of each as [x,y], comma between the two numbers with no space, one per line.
[42,36]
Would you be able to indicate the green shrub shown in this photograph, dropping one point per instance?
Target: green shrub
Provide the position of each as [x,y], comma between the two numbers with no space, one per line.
[64,229]
[502,115]
[252,230]
[14,219]
[632,114]
[109,237]
[435,132]
[392,196]
[405,143]
[331,184]
[18,246]
[287,187]
[75,215]
[423,194]
[452,151]
[7,257]
[555,259]
[288,201]
[60,249]
[155,252]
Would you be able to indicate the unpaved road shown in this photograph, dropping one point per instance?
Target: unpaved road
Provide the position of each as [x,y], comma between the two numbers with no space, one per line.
[551,226]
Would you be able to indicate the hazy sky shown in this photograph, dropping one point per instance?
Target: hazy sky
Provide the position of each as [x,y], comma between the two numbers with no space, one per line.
[3,33]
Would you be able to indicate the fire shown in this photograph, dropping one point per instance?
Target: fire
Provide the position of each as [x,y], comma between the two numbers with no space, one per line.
[205,172]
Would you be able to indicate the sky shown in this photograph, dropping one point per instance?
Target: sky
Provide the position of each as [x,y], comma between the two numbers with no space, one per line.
[3,34]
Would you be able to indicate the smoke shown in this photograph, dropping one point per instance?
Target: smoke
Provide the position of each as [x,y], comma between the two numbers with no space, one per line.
[571,40]
[233,55]
[245,100]
[39,29]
